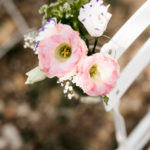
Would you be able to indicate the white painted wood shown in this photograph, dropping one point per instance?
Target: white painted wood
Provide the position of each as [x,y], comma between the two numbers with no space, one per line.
[129,74]
[129,32]
[120,42]
[116,47]
[120,127]
[139,137]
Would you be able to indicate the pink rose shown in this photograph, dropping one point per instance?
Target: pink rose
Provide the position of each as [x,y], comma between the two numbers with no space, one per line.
[97,74]
[60,53]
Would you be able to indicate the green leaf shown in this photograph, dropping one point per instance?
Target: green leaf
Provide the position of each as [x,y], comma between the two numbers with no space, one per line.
[106,99]
[66,12]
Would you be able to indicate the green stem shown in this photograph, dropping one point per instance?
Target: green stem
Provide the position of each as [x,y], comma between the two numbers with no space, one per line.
[87,43]
[84,37]
[95,44]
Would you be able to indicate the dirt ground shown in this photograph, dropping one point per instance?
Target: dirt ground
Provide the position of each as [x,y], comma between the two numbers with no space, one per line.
[40,117]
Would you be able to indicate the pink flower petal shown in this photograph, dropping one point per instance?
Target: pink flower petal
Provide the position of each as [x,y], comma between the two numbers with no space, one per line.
[108,70]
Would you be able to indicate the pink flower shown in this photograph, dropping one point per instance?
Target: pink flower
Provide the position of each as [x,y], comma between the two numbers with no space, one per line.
[60,53]
[97,74]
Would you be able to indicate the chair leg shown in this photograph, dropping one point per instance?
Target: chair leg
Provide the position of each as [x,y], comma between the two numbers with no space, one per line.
[139,136]
[120,126]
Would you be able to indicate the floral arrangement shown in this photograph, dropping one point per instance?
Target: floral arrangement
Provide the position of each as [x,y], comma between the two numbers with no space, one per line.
[63,49]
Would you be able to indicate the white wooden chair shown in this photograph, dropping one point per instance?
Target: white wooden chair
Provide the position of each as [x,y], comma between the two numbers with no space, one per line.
[116,47]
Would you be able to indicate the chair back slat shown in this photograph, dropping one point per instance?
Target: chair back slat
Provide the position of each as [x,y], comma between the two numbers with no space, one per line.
[120,43]
[129,32]
[139,136]
[129,74]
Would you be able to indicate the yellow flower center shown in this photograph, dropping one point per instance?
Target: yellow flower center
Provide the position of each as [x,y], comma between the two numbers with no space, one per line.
[94,73]
[63,52]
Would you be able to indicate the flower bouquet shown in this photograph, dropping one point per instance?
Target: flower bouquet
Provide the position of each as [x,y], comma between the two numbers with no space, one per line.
[63,49]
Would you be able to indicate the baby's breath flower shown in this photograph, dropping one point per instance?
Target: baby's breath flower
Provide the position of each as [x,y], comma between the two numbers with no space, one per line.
[29,39]
[70,96]
[67,7]
[67,84]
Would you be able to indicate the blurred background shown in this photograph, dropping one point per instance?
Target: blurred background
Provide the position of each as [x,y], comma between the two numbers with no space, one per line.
[39,117]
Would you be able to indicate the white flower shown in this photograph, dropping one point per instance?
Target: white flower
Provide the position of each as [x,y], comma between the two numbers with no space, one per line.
[95,17]
[35,75]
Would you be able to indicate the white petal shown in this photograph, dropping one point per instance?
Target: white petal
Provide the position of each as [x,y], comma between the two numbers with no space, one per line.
[45,31]
[35,75]
[95,17]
